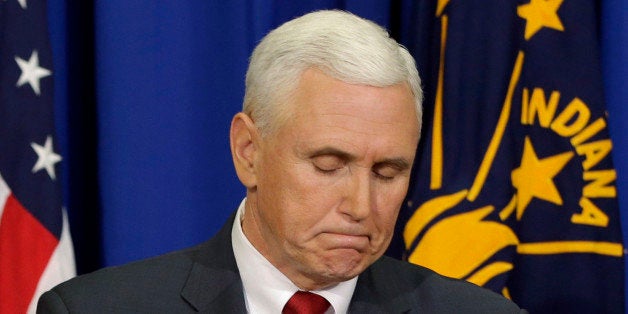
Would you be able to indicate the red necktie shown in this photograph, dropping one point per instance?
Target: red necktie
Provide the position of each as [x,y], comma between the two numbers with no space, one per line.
[303,302]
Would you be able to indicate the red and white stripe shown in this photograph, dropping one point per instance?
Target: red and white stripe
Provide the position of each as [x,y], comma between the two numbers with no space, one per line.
[32,260]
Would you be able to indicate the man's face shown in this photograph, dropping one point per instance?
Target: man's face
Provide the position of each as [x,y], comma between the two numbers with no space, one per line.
[331,180]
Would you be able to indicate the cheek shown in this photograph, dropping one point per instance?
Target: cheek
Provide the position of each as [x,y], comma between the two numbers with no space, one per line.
[388,203]
[310,188]
[299,197]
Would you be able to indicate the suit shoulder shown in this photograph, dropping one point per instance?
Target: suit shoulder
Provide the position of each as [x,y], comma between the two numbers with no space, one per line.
[113,288]
[150,269]
[431,291]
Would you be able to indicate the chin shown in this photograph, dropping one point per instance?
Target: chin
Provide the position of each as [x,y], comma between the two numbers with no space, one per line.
[346,265]
[329,269]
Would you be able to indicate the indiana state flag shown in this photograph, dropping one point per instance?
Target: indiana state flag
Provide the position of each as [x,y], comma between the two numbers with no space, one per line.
[514,186]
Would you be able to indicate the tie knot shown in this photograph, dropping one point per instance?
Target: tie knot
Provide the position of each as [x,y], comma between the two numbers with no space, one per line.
[303,302]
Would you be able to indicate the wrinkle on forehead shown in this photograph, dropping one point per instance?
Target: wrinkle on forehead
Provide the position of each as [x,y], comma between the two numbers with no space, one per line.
[354,117]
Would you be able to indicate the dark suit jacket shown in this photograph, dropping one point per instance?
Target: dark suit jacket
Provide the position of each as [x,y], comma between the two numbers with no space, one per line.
[205,279]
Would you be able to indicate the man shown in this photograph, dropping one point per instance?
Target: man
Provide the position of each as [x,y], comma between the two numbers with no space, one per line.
[324,147]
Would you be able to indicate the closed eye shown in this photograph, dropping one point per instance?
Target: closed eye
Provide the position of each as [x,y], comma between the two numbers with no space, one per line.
[383,177]
[385,174]
[328,163]
[390,169]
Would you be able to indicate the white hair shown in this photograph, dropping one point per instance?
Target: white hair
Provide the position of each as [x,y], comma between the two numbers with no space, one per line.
[342,45]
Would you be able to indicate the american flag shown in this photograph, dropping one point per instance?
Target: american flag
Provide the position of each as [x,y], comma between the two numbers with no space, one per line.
[35,246]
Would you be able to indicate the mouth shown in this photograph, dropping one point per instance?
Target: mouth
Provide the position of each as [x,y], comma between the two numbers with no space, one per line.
[339,240]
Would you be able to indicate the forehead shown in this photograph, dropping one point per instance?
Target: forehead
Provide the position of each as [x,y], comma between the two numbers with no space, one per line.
[323,109]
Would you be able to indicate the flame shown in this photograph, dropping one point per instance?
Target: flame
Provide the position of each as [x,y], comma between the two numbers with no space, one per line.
[458,245]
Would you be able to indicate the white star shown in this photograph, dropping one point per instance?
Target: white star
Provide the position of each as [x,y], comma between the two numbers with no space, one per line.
[31,71]
[46,158]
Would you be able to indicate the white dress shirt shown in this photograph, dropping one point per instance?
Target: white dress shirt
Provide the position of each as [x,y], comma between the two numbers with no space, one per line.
[266,289]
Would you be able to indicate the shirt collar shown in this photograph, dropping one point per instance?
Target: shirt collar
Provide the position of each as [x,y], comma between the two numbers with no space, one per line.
[277,289]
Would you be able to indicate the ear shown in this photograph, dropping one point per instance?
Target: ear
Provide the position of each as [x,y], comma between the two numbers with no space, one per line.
[244,140]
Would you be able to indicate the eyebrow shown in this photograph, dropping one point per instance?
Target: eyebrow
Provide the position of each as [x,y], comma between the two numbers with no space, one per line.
[325,151]
[400,164]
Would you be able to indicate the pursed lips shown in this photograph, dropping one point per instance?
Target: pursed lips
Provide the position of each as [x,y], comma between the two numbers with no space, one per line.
[347,239]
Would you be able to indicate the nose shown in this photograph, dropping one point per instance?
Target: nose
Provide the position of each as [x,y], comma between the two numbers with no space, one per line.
[359,197]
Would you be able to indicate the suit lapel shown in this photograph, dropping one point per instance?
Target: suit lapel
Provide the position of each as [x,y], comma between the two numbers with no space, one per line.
[212,290]
[214,284]
[364,299]
[377,291]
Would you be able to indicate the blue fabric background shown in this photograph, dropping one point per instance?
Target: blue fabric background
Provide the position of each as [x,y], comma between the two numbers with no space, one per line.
[145,91]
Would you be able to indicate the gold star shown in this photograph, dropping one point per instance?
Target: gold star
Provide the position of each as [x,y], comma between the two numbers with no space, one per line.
[534,178]
[539,14]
